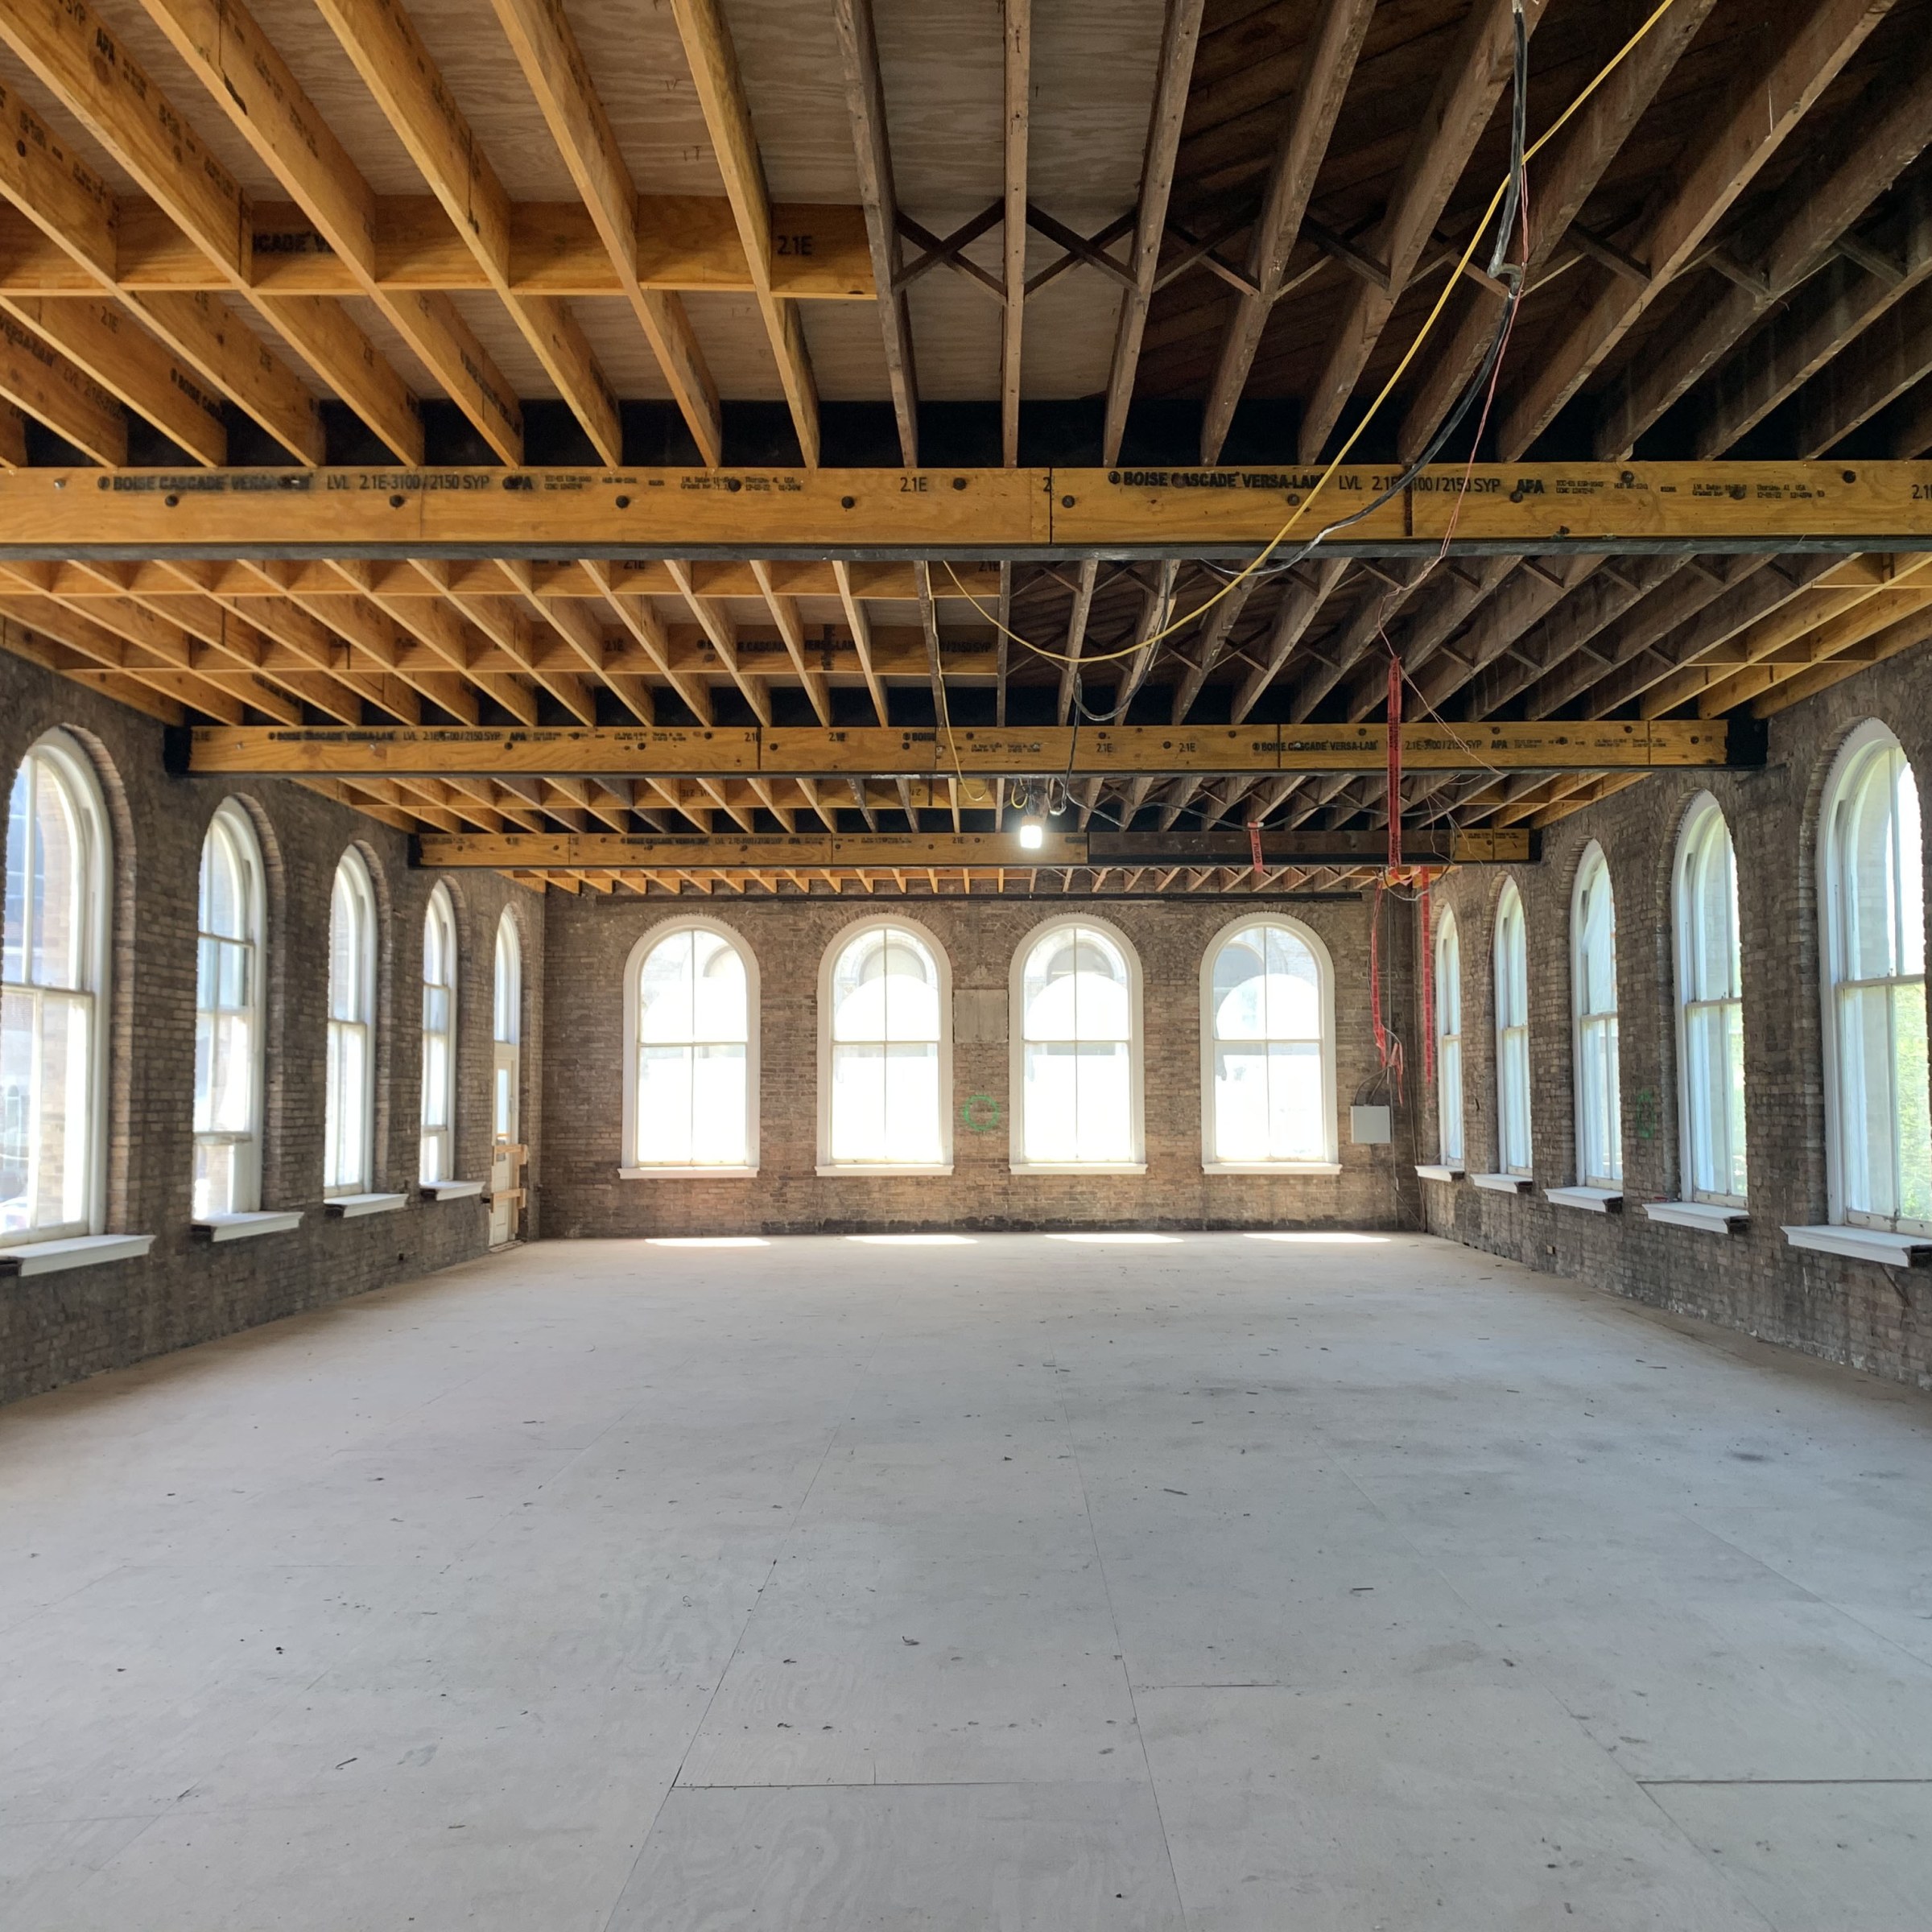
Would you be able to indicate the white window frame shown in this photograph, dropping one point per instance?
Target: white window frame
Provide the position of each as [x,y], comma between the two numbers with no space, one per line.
[834,951]
[1593,873]
[441,910]
[632,1169]
[75,770]
[1509,902]
[356,867]
[1330,1160]
[1870,736]
[507,1008]
[1040,935]
[1696,1110]
[231,820]
[1448,1045]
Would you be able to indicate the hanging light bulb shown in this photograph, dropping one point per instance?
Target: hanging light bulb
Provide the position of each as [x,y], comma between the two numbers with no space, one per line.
[1032,834]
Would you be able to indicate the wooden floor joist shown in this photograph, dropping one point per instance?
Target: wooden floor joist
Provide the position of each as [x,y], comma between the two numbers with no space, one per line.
[393,752]
[863,515]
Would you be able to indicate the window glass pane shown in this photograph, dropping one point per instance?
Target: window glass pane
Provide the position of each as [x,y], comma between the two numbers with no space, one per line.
[344,948]
[1267,1097]
[507,986]
[885,1029]
[344,1164]
[19,813]
[1884,1137]
[55,893]
[1513,1033]
[58,883]
[885,987]
[693,1065]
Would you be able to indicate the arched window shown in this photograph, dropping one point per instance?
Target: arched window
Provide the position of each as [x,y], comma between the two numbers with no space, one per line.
[1268,1049]
[1874,954]
[53,1084]
[1077,1050]
[227,1017]
[1449,1040]
[1600,1118]
[692,1073]
[1512,1034]
[348,1134]
[886,1073]
[506,1031]
[1710,1008]
[438,1157]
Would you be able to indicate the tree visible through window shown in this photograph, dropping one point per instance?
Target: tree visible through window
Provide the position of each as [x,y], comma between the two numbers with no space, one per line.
[54,974]
[1711,1008]
[885,1099]
[228,1018]
[1270,1082]
[1876,955]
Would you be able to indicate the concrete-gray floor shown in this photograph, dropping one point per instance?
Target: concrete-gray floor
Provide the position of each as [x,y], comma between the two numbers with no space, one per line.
[1208,1582]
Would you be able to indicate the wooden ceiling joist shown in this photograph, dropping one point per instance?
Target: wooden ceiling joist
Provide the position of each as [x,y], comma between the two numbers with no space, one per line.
[714,68]
[1797,55]
[382,41]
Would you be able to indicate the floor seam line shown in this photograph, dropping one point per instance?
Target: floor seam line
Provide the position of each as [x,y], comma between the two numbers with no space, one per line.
[1153,1789]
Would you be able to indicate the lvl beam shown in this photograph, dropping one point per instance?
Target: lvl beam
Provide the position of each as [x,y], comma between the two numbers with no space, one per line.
[867,515]
[1093,751]
[623,852]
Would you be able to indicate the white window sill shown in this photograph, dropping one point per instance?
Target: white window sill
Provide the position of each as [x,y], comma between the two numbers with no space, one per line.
[245,1226]
[829,1172]
[1590,1200]
[350,1207]
[720,1173]
[1862,1244]
[1502,1183]
[1439,1173]
[1078,1167]
[451,1191]
[75,1251]
[1316,1168]
[1713,1217]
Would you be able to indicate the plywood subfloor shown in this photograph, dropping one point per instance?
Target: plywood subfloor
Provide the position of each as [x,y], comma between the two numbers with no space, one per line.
[1210,1581]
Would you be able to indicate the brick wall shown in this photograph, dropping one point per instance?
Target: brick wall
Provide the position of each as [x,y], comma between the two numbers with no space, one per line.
[1843,1310]
[55,1328]
[591,940]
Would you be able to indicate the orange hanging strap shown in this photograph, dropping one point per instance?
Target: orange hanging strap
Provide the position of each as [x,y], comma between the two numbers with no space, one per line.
[1254,846]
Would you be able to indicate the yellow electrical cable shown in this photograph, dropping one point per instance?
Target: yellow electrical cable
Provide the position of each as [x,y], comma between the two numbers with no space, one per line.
[1341,455]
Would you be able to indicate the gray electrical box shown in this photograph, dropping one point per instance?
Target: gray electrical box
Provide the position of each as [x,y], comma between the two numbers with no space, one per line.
[1368,1126]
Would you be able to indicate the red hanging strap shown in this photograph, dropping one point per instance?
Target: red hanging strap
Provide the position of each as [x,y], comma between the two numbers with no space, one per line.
[1254,846]
[1388,1047]
[1395,766]
[1428,984]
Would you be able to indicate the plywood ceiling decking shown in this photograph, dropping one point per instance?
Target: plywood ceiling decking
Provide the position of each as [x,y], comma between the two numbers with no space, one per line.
[1730,252]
